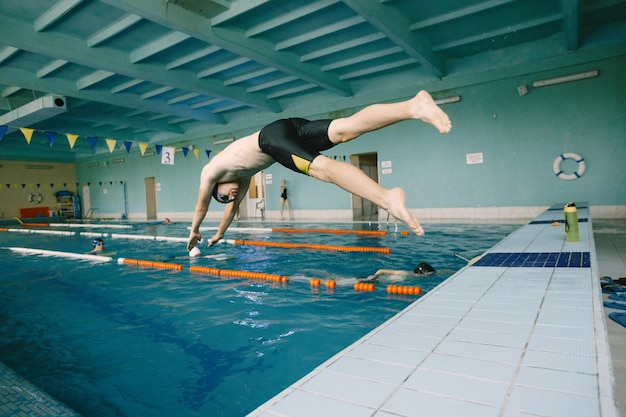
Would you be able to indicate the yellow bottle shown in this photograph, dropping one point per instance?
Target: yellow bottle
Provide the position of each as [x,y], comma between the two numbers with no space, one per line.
[571,223]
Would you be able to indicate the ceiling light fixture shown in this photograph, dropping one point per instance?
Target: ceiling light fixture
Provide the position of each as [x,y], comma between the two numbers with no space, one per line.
[446,100]
[566,78]
[228,140]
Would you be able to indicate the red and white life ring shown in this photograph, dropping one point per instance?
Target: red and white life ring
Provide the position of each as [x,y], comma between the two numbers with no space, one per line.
[556,166]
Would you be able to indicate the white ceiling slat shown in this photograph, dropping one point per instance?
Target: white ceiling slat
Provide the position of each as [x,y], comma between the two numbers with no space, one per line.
[396,28]
[378,68]
[342,46]
[272,83]
[156,92]
[495,33]
[92,79]
[318,33]
[126,85]
[158,45]
[56,12]
[7,52]
[289,17]
[362,58]
[182,97]
[249,76]
[204,52]
[113,29]
[51,67]
[458,14]
[219,68]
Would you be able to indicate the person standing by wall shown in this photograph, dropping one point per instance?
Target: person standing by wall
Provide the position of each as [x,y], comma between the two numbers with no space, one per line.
[284,200]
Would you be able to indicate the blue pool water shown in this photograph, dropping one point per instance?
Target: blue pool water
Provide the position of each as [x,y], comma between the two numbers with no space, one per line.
[117,340]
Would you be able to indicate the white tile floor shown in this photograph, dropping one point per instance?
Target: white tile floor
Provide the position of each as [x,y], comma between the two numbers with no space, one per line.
[490,341]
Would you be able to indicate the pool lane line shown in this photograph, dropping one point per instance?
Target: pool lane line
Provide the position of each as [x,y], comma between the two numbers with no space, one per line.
[149,264]
[88,225]
[238,273]
[84,256]
[295,230]
[314,246]
[334,231]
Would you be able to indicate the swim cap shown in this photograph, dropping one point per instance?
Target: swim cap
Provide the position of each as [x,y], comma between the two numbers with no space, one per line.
[220,198]
[424,269]
[97,242]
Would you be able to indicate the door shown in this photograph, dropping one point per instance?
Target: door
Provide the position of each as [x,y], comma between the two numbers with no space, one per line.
[151,208]
[255,206]
[363,209]
[87,202]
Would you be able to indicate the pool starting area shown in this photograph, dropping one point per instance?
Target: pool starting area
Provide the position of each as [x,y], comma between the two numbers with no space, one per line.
[519,332]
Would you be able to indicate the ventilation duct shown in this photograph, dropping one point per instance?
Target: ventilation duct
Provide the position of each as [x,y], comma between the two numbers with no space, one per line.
[34,112]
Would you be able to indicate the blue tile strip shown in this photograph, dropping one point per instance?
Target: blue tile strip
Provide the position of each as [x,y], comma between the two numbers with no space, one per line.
[552,221]
[536,260]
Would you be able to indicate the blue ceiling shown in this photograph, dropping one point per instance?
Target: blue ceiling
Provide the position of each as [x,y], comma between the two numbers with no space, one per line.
[156,71]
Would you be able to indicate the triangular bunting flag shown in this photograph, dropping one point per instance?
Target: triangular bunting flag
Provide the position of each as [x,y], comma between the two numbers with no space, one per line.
[3,130]
[111,144]
[28,133]
[51,137]
[185,152]
[208,153]
[71,139]
[38,185]
[92,141]
[196,152]
[158,149]
[127,145]
[142,147]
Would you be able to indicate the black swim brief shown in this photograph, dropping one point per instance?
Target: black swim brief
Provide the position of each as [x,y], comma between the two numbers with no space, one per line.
[294,143]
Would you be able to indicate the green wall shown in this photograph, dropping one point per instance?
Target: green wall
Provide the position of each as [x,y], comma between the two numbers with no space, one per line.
[519,136]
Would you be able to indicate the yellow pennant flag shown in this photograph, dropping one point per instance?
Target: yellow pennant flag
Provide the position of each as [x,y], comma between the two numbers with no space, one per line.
[71,139]
[111,144]
[28,133]
[142,147]
[196,152]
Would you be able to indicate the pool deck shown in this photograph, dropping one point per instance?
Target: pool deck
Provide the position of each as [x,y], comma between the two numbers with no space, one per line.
[522,332]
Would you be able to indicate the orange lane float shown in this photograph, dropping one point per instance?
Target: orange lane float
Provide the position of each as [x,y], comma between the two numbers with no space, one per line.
[150,264]
[403,289]
[236,273]
[311,246]
[335,231]
[364,286]
[331,283]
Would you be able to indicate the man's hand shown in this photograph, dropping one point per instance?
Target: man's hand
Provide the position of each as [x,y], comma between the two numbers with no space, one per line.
[216,238]
[194,238]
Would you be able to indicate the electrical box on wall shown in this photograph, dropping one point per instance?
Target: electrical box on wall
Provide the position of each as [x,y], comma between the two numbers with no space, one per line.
[474,158]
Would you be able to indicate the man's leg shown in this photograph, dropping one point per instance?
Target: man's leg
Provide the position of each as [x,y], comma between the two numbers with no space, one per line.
[355,181]
[376,116]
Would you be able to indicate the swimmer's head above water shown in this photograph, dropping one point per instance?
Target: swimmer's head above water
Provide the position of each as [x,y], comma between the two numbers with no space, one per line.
[424,269]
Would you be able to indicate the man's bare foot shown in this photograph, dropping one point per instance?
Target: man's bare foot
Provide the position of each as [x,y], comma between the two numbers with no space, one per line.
[426,110]
[397,208]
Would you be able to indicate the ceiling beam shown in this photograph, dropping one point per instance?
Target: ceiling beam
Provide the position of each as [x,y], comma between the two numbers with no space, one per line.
[570,24]
[61,46]
[395,26]
[232,39]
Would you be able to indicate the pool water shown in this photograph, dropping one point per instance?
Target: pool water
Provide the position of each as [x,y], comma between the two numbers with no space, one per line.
[118,340]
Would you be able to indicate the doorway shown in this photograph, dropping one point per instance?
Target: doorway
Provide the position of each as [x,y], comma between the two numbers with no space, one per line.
[151,208]
[362,209]
[255,206]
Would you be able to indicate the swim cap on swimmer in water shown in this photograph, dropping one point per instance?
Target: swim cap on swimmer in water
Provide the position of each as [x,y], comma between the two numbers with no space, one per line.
[424,269]
[220,198]
[98,242]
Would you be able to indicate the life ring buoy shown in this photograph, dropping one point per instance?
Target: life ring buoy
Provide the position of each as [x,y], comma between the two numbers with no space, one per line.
[35,198]
[556,166]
